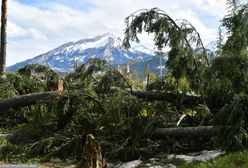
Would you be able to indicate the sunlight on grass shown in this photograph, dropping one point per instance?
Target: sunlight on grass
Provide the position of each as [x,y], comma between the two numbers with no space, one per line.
[239,160]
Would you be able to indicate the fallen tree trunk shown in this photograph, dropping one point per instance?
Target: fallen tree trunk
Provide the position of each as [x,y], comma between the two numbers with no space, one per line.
[169,97]
[173,132]
[43,97]
[27,100]
[183,132]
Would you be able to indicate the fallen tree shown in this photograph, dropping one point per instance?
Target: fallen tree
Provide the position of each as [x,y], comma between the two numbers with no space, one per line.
[27,100]
[163,96]
[43,97]
[174,132]
[182,132]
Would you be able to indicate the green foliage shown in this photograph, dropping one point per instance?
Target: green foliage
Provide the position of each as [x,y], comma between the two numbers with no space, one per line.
[12,153]
[46,77]
[165,86]
[220,42]
[225,87]
[180,36]
[226,77]
[236,23]
[6,92]
[234,114]
[59,128]
[238,159]
[225,91]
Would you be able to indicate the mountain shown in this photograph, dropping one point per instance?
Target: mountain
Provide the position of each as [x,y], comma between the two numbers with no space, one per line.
[212,49]
[106,46]
[212,46]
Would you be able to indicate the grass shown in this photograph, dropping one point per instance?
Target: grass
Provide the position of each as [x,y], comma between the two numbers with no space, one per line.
[232,160]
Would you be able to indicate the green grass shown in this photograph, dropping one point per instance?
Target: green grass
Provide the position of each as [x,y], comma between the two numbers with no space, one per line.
[234,160]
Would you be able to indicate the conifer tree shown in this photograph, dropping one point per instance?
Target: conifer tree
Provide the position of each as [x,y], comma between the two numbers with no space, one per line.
[220,40]
[179,35]
[146,71]
[236,23]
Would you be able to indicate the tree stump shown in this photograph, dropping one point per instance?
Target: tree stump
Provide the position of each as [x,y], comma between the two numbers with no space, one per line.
[92,155]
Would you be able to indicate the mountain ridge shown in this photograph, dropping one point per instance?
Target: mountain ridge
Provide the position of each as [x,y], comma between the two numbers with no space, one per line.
[105,46]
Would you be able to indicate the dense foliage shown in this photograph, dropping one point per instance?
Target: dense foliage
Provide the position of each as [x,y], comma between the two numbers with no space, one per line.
[59,127]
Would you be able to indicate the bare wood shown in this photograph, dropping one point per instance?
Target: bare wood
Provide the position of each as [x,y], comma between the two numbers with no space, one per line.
[92,155]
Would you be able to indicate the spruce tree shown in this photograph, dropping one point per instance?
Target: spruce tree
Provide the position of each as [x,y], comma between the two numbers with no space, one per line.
[179,35]
[236,24]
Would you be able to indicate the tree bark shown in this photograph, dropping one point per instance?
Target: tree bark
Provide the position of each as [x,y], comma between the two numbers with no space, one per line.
[43,97]
[183,132]
[28,99]
[169,97]
[3,37]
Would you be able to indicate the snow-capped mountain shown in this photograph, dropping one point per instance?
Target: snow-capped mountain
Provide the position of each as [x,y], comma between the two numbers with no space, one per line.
[212,49]
[106,46]
[212,46]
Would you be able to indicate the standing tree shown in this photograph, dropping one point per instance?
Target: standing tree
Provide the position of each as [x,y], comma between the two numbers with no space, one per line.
[225,88]
[180,36]
[236,23]
[145,72]
[220,40]
[3,37]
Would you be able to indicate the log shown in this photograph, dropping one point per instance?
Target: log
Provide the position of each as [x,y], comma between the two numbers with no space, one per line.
[43,97]
[183,132]
[27,100]
[169,97]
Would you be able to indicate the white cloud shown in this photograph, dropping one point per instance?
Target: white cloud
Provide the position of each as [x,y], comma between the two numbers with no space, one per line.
[207,34]
[34,30]
[213,7]
[15,31]
[36,34]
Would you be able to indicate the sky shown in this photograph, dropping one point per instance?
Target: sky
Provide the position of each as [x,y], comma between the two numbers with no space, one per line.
[37,26]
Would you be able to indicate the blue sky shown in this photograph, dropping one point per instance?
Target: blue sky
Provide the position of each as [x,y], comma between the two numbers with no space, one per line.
[37,26]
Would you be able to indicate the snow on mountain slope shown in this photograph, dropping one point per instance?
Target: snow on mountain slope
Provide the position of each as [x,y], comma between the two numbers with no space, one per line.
[142,49]
[212,46]
[106,46]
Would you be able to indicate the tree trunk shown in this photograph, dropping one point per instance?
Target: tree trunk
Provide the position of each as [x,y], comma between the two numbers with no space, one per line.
[183,132]
[3,37]
[169,97]
[28,99]
[92,155]
[43,97]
